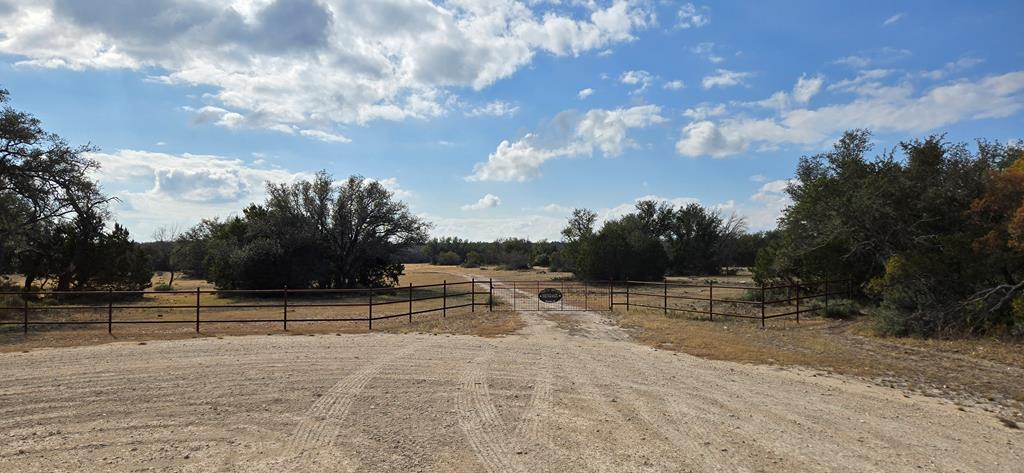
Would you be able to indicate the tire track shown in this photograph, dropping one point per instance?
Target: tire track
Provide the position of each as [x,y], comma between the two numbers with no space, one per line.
[324,419]
[480,421]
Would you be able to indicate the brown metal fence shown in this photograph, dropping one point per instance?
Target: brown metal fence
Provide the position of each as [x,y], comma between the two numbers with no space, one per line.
[762,302]
[352,305]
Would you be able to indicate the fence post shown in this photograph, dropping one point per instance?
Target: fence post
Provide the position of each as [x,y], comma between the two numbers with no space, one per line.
[490,294]
[665,299]
[627,295]
[514,296]
[586,294]
[410,303]
[797,302]
[369,317]
[25,314]
[285,308]
[472,295]
[110,310]
[197,310]
[711,299]
[444,299]
[611,295]
[562,300]
[762,305]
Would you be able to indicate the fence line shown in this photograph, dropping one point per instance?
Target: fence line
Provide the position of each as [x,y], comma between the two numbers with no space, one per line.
[795,293]
[793,296]
[287,306]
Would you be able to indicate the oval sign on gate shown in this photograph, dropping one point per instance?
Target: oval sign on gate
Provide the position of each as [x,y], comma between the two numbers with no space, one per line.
[550,295]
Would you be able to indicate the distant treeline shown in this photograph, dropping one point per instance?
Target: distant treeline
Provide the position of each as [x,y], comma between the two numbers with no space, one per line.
[654,241]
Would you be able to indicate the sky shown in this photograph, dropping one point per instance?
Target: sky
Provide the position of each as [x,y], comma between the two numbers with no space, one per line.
[496,118]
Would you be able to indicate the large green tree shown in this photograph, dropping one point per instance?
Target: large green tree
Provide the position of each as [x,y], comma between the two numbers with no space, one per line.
[308,234]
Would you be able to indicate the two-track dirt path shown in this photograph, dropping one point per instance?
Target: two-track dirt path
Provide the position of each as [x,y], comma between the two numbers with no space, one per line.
[541,400]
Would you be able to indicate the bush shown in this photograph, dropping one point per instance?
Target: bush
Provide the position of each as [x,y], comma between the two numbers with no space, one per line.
[448,258]
[472,260]
[542,259]
[163,287]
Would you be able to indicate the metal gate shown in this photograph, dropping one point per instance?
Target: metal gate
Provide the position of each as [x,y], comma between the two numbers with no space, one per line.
[526,295]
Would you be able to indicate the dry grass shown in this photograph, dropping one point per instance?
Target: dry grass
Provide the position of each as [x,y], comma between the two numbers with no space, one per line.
[221,307]
[984,372]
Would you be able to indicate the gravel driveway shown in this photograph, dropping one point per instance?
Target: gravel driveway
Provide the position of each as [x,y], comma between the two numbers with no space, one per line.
[542,400]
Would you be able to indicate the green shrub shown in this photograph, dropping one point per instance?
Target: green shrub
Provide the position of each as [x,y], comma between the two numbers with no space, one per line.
[472,260]
[163,287]
[448,258]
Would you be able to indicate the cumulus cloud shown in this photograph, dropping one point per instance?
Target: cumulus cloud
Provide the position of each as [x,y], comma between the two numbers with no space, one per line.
[600,130]
[705,111]
[381,60]
[485,202]
[804,89]
[157,188]
[724,78]
[583,94]
[705,138]
[691,16]
[674,85]
[641,78]
[887,108]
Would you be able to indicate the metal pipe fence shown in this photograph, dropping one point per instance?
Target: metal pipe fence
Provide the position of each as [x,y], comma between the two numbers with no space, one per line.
[358,305]
[762,302]
[366,305]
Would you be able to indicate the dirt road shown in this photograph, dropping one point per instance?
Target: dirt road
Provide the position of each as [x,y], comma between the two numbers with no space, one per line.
[547,399]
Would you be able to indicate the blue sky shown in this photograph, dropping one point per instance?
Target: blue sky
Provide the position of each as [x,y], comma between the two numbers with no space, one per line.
[495,119]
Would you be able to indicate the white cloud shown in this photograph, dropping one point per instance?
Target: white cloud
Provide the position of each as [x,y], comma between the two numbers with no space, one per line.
[310,63]
[532,226]
[325,136]
[883,109]
[161,188]
[485,202]
[705,111]
[600,130]
[392,185]
[641,78]
[724,78]
[496,108]
[953,67]
[893,19]
[758,178]
[705,138]
[556,209]
[691,16]
[804,89]
[807,87]
[674,85]
[583,94]
[707,50]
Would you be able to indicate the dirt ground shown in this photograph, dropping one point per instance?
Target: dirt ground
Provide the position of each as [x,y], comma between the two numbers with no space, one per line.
[547,398]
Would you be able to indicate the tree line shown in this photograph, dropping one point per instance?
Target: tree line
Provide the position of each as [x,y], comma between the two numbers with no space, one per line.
[933,231]
[54,221]
[655,240]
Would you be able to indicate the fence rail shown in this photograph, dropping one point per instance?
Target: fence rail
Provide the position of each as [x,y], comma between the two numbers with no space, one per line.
[795,293]
[494,295]
[367,299]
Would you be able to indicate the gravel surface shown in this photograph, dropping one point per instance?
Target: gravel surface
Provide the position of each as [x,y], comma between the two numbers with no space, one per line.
[542,400]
